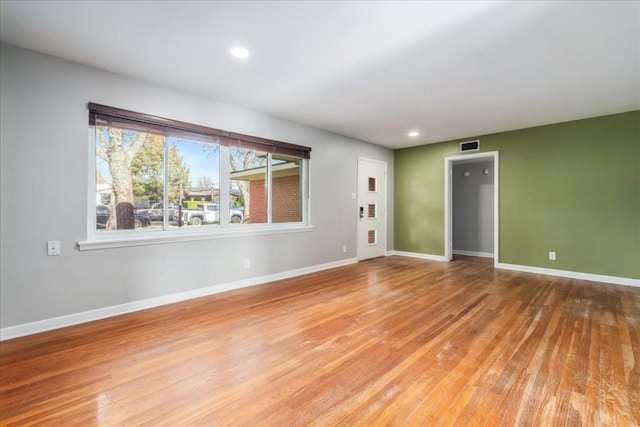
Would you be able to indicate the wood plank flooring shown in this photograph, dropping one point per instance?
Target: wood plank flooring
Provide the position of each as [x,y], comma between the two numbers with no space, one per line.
[390,341]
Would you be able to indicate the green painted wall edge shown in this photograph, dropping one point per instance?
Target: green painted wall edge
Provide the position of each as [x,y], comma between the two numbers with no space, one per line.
[572,188]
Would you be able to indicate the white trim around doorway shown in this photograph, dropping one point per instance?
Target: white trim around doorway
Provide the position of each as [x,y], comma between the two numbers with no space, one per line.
[448,201]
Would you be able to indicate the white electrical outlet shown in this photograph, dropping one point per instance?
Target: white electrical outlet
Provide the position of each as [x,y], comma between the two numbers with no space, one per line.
[247,263]
[552,256]
[53,247]
[344,249]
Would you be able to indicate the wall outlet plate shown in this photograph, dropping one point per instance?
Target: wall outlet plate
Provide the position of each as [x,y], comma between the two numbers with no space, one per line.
[552,256]
[53,247]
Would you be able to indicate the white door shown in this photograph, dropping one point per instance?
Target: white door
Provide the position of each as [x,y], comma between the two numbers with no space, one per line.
[372,208]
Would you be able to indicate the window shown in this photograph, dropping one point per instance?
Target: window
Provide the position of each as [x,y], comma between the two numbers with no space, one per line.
[249,182]
[285,193]
[373,185]
[154,174]
[373,211]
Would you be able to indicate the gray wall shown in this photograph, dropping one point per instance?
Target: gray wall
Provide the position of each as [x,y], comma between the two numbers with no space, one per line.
[44,168]
[473,206]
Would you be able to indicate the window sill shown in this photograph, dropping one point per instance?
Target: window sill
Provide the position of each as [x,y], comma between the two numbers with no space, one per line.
[164,237]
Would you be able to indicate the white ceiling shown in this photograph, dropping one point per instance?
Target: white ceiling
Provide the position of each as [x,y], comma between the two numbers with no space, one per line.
[368,70]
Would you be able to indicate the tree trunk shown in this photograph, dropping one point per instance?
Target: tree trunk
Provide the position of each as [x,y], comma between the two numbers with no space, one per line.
[119,158]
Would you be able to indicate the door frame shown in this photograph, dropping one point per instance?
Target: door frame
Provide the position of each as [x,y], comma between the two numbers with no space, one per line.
[448,200]
[358,203]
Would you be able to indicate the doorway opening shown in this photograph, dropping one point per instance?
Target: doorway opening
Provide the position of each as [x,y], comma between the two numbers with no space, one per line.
[473,209]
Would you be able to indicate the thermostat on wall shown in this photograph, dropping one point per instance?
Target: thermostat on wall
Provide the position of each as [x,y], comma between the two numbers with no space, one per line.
[470,145]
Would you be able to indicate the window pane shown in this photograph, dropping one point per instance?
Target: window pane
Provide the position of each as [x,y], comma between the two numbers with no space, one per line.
[372,184]
[194,183]
[285,189]
[125,189]
[372,211]
[248,186]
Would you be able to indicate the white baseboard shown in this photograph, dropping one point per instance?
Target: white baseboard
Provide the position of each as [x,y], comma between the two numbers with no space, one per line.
[572,274]
[473,253]
[102,313]
[538,270]
[116,310]
[419,255]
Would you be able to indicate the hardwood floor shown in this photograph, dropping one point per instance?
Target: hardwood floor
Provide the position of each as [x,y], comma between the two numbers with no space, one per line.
[389,341]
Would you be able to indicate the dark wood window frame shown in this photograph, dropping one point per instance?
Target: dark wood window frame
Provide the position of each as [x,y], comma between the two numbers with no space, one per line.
[102,115]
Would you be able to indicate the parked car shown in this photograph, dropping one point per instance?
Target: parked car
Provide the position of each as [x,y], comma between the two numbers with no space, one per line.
[140,219]
[156,212]
[210,214]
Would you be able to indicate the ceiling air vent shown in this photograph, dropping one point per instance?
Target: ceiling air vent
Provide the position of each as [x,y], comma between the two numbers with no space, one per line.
[470,145]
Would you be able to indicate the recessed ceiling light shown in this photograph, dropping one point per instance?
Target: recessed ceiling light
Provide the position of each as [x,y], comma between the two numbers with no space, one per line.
[239,52]
[414,133]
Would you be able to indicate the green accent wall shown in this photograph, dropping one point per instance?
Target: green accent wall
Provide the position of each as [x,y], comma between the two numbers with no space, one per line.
[572,188]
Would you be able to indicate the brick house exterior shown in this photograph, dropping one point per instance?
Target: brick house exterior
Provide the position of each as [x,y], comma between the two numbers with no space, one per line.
[285,194]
